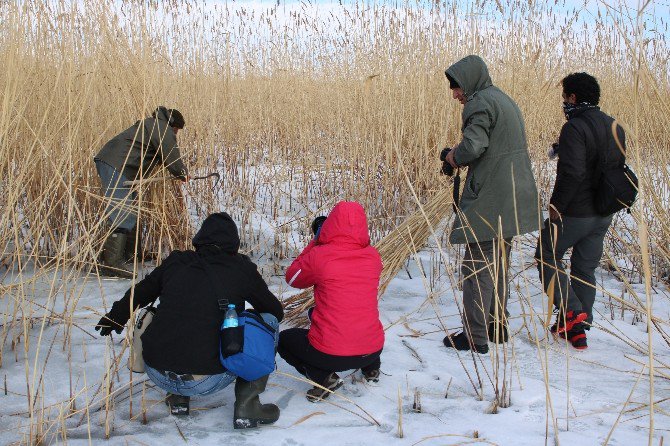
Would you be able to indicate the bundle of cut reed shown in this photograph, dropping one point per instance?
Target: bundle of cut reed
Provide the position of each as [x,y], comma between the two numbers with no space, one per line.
[394,249]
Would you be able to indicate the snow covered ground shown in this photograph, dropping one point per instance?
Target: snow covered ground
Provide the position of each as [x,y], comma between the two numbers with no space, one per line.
[427,395]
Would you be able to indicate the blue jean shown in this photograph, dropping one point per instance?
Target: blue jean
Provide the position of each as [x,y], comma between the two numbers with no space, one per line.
[121,198]
[207,385]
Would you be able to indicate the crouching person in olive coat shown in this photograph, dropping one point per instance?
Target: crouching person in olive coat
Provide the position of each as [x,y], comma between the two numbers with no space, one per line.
[499,200]
[181,345]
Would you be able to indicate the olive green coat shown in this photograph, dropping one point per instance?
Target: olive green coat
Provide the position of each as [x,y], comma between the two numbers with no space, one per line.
[142,146]
[499,198]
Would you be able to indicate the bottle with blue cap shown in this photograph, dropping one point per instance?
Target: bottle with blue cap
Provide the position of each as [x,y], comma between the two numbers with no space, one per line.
[230,319]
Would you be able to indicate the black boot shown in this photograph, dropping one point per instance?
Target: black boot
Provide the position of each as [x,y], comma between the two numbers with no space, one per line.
[371,376]
[332,383]
[249,412]
[498,332]
[131,251]
[460,341]
[113,256]
[178,404]
[138,251]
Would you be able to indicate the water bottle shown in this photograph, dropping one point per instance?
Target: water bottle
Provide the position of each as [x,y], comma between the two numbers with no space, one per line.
[230,319]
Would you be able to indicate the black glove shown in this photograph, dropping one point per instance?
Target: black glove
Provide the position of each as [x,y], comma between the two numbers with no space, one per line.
[444,153]
[447,169]
[316,224]
[107,324]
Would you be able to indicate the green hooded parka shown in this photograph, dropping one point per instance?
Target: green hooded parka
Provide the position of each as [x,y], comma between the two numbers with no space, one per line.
[144,145]
[499,198]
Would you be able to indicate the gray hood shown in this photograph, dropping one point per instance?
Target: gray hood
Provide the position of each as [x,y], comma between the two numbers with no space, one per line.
[471,74]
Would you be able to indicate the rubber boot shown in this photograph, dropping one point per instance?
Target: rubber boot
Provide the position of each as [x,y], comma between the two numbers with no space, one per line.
[113,256]
[179,405]
[130,252]
[249,412]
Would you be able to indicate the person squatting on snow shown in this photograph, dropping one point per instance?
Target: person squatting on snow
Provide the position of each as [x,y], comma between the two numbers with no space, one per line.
[345,331]
[573,220]
[136,150]
[181,345]
[499,200]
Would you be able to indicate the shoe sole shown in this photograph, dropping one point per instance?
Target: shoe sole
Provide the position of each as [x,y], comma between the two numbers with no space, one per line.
[448,344]
[249,423]
[325,394]
[179,411]
[559,338]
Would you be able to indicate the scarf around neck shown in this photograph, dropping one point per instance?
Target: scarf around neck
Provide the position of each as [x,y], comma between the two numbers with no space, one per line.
[571,110]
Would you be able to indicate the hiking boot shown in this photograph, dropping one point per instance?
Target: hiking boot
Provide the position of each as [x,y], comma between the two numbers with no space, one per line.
[371,376]
[497,332]
[554,331]
[571,319]
[332,383]
[178,404]
[113,256]
[130,250]
[577,337]
[461,342]
[249,412]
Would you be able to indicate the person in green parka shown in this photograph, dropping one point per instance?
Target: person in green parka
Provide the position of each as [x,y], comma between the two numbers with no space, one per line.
[499,200]
[129,156]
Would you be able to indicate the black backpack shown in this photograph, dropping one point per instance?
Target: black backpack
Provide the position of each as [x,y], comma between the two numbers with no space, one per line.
[615,182]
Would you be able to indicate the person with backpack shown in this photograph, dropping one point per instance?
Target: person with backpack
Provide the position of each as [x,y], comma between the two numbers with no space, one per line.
[181,344]
[345,331]
[499,200]
[591,148]
[129,156]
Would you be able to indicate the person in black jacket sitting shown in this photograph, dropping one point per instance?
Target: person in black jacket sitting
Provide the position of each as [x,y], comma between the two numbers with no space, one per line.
[181,345]
[586,141]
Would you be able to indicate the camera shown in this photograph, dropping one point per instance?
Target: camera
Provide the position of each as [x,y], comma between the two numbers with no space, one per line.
[447,168]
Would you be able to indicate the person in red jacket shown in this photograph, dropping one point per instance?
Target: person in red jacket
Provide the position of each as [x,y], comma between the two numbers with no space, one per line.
[345,332]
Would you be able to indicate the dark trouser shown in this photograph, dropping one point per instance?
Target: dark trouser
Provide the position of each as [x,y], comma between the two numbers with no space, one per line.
[121,198]
[485,286]
[295,348]
[585,236]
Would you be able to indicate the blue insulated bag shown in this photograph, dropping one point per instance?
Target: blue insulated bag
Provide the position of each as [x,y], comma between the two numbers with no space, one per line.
[248,350]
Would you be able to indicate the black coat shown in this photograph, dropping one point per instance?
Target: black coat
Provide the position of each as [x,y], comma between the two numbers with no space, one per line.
[577,170]
[184,334]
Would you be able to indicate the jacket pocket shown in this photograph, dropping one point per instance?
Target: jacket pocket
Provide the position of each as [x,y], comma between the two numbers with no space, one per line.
[472,186]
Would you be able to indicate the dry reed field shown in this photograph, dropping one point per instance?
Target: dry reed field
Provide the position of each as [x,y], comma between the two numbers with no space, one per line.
[298,106]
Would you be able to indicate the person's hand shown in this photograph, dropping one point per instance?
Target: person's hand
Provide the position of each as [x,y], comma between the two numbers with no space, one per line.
[553,213]
[450,159]
[107,324]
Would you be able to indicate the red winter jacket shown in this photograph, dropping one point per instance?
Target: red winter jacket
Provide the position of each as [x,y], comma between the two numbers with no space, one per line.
[344,270]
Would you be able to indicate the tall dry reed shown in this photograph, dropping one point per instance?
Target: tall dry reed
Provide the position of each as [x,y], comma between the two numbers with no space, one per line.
[297,110]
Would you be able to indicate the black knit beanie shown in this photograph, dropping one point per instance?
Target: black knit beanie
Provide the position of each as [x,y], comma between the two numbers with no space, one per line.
[452,82]
[176,118]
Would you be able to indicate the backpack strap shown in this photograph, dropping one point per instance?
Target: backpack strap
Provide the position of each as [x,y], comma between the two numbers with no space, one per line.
[601,155]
